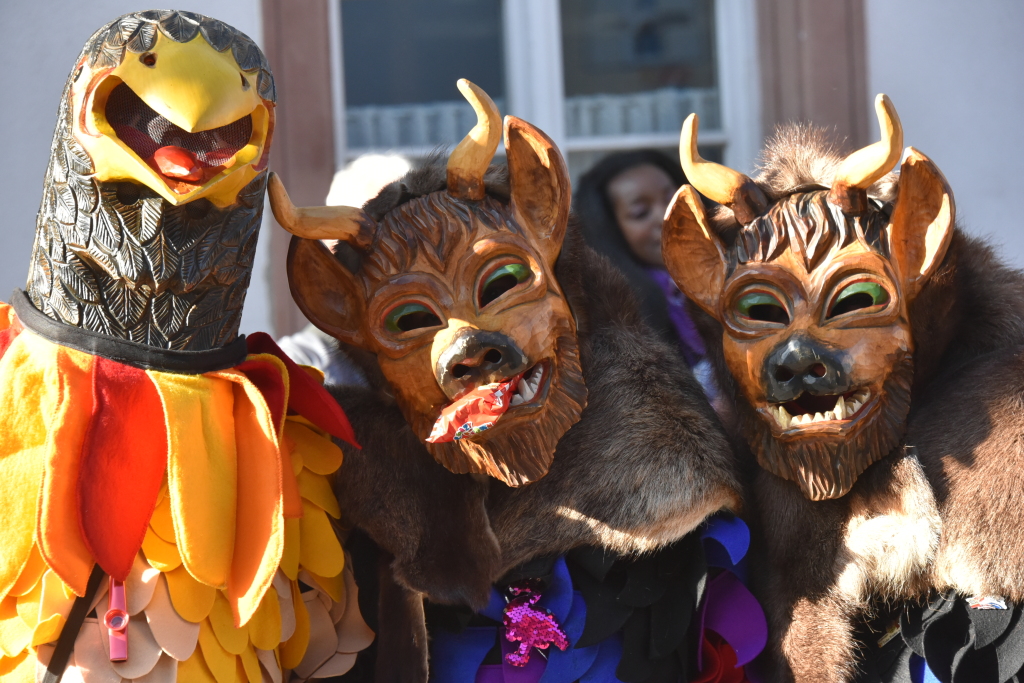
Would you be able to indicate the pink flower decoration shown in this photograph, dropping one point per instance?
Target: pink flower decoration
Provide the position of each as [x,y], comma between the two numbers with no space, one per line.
[530,626]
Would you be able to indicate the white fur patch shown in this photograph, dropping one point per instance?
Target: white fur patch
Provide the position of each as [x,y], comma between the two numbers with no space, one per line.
[887,551]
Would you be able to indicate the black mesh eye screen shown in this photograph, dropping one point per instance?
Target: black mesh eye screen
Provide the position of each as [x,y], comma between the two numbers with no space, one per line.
[145,131]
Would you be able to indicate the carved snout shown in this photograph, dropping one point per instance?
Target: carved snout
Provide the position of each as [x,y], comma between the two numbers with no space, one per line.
[476,357]
[800,365]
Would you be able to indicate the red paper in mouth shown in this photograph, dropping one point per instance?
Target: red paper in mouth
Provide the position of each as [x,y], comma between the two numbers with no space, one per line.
[175,162]
[475,412]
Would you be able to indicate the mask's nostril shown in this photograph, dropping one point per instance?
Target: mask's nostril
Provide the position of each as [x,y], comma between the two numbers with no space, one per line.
[783,374]
[460,371]
[493,356]
[818,370]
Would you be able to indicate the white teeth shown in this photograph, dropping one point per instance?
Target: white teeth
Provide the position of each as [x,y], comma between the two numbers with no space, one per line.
[855,402]
[845,409]
[840,409]
[783,417]
[528,386]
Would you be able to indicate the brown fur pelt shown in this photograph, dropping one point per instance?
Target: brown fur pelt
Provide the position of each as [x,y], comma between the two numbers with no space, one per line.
[945,509]
[646,463]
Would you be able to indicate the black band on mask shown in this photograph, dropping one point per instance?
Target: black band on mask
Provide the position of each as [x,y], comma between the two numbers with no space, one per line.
[124,351]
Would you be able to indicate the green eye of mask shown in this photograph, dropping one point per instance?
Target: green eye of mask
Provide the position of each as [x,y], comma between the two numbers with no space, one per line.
[762,306]
[858,296]
[410,316]
[502,280]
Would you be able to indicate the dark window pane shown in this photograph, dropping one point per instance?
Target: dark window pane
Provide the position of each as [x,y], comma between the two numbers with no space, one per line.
[402,59]
[638,66]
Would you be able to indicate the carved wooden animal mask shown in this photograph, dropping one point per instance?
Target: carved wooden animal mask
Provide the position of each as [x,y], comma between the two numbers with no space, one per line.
[456,290]
[812,297]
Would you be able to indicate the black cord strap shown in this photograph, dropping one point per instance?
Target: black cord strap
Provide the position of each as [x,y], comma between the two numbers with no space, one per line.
[68,635]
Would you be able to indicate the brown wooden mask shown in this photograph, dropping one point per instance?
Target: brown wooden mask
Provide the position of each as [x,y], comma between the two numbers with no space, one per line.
[456,289]
[812,297]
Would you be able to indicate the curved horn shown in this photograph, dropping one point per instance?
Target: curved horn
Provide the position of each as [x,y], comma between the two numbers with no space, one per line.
[859,170]
[719,183]
[470,159]
[345,223]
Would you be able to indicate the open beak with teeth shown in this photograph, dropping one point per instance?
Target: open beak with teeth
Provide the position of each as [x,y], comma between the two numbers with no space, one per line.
[809,411]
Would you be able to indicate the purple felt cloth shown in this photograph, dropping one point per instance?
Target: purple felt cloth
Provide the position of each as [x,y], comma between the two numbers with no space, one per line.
[506,673]
[689,339]
[731,611]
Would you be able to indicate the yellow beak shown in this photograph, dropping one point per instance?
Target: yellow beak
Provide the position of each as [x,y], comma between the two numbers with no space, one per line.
[195,88]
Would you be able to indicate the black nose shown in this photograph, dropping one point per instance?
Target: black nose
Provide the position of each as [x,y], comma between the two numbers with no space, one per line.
[800,365]
[477,357]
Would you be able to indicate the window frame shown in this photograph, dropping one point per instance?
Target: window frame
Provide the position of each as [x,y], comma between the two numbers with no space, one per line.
[535,91]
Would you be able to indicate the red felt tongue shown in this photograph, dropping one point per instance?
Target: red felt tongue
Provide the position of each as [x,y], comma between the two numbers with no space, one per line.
[175,162]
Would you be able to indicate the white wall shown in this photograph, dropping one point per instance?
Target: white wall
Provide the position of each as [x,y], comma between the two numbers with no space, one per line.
[41,40]
[955,71]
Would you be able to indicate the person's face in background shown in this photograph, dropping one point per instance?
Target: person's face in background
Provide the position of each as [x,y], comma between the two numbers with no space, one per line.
[639,197]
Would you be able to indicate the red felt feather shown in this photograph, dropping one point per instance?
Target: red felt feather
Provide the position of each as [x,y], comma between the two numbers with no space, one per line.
[268,380]
[306,396]
[123,463]
[6,337]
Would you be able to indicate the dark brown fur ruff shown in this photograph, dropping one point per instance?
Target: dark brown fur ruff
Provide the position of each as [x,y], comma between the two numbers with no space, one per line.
[964,435]
[644,465]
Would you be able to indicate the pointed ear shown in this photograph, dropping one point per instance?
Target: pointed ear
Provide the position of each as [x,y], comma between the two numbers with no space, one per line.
[540,185]
[326,292]
[694,256]
[922,222]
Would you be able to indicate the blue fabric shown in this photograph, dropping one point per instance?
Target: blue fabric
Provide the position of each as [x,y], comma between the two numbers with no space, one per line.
[608,656]
[558,597]
[456,657]
[569,666]
[496,607]
[726,540]
[919,671]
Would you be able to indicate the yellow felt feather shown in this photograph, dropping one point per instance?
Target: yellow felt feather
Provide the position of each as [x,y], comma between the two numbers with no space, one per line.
[234,640]
[320,455]
[191,599]
[159,553]
[293,649]
[320,551]
[221,662]
[265,625]
[14,632]
[27,378]
[201,471]
[316,488]
[195,670]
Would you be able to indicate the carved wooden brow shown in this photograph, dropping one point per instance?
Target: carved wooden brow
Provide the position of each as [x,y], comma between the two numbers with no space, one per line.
[466,167]
[856,173]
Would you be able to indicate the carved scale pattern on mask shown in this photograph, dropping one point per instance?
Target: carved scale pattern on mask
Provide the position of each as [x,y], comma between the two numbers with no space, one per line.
[116,258]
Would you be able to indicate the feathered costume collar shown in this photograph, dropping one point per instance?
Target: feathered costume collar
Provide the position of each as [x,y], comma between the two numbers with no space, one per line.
[219,478]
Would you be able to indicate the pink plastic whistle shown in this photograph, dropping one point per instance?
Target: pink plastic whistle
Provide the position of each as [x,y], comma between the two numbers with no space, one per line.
[116,621]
